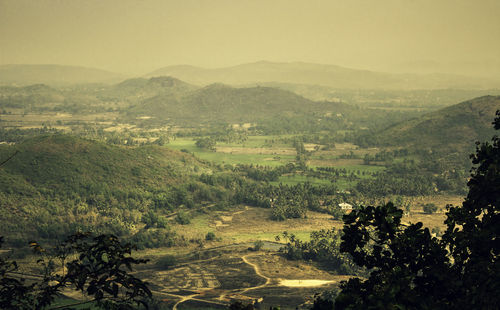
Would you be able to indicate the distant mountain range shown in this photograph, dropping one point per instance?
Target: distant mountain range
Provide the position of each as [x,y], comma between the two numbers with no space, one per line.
[247,74]
[319,74]
[56,75]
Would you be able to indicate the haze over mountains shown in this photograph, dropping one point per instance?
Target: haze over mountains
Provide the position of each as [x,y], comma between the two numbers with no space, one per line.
[21,74]
[319,74]
[250,73]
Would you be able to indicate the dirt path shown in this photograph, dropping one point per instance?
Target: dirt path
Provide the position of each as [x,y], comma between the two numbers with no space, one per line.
[183,299]
[257,271]
[222,298]
[190,297]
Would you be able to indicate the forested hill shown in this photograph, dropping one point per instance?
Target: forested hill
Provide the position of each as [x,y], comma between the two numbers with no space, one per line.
[218,102]
[32,95]
[455,128]
[140,88]
[58,184]
[54,75]
[61,165]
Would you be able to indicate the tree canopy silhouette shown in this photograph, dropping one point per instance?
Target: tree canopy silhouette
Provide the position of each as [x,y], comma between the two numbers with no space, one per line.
[97,266]
[411,269]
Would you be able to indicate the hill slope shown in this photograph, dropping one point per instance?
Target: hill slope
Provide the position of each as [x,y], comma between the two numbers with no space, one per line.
[54,75]
[219,102]
[137,89]
[456,127]
[32,95]
[318,74]
[62,164]
[59,184]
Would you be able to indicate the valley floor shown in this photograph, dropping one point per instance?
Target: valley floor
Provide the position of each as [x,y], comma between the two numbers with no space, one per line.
[228,270]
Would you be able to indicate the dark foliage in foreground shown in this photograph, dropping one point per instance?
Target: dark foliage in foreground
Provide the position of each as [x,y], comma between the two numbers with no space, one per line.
[413,270]
[99,267]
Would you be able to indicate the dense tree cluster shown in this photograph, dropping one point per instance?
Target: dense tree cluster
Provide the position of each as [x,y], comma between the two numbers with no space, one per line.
[323,247]
[206,143]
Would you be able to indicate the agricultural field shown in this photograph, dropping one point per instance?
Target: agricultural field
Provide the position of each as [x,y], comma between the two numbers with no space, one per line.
[259,150]
[235,273]
[254,151]
[227,269]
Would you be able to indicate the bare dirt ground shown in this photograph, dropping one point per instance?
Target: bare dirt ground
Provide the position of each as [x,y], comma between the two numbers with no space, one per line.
[264,276]
[240,275]
[233,272]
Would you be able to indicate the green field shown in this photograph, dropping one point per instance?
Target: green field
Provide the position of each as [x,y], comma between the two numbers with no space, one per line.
[232,159]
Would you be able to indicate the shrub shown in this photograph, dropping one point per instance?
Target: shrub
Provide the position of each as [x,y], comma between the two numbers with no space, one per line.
[182,218]
[257,245]
[430,208]
[210,236]
[166,261]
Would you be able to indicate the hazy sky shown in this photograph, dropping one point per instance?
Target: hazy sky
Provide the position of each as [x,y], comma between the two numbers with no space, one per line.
[138,36]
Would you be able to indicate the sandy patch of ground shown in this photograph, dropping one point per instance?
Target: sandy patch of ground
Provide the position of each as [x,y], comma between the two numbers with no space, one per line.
[226,218]
[304,283]
[119,127]
[311,146]
[242,126]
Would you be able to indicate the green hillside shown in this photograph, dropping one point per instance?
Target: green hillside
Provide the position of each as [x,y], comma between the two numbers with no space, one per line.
[56,182]
[137,89]
[456,127]
[61,163]
[29,96]
[218,102]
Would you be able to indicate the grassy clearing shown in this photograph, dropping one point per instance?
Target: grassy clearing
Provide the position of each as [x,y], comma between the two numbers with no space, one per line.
[255,159]
[259,142]
[248,224]
[242,157]
[269,236]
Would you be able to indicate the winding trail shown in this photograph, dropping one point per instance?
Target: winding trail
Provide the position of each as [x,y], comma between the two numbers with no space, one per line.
[190,297]
[221,298]
[257,272]
[183,299]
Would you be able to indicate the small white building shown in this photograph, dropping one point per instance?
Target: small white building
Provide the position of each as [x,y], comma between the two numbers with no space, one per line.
[345,206]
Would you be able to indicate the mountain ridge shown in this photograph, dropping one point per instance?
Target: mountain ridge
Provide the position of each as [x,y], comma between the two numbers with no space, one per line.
[55,75]
[317,74]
